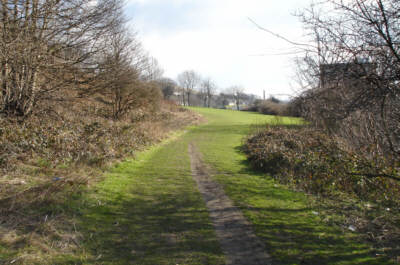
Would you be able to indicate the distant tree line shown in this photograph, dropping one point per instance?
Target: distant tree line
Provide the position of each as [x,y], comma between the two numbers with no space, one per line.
[191,89]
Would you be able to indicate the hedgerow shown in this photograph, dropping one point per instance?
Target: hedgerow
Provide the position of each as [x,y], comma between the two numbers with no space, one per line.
[43,148]
[317,163]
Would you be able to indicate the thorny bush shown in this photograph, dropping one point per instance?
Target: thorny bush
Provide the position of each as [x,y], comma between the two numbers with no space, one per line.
[317,163]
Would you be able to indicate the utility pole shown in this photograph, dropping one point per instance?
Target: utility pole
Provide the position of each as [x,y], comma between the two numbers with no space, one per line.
[264,94]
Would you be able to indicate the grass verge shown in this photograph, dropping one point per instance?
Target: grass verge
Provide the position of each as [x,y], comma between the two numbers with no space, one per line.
[289,222]
[146,211]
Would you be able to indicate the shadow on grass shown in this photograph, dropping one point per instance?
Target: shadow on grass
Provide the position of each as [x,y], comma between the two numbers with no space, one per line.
[331,211]
[148,215]
[161,231]
[293,232]
[292,229]
[239,129]
[236,129]
[132,225]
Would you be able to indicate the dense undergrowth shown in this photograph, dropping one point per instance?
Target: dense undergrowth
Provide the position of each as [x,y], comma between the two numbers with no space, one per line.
[46,159]
[363,189]
[45,145]
[321,164]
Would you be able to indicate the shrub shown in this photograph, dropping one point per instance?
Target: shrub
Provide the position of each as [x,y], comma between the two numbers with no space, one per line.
[317,163]
[271,106]
[77,134]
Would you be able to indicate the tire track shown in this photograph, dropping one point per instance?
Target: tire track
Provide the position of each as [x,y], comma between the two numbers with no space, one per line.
[238,241]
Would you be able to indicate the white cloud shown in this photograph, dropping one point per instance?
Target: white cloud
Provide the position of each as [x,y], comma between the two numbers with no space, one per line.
[216,39]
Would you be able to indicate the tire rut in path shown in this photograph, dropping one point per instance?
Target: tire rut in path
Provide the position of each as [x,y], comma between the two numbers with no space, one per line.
[238,241]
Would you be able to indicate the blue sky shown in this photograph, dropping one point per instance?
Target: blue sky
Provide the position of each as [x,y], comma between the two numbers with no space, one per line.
[216,39]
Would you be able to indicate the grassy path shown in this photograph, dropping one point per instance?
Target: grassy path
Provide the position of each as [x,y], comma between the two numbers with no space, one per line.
[235,234]
[149,210]
[284,219]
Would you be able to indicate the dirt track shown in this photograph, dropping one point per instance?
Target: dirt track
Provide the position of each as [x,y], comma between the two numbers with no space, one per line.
[238,241]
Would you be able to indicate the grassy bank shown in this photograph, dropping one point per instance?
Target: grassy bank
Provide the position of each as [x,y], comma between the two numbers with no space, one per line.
[290,223]
[45,167]
[148,210]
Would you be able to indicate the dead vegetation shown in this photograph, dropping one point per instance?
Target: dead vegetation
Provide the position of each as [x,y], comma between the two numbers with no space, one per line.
[271,106]
[350,72]
[77,93]
[45,161]
[349,156]
[355,192]
[75,135]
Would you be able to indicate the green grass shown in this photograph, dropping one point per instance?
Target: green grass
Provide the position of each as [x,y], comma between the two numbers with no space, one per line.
[148,210]
[284,219]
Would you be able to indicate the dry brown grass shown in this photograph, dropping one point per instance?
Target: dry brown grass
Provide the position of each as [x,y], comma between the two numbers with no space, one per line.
[50,148]
[48,158]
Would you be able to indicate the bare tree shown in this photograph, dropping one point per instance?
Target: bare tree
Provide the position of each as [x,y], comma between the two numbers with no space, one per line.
[222,99]
[188,81]
[168,87]
[207,90]
[181,92]
[237,93]
[353,70]
[49,44]
[122,81]
[116,77]
[152,70]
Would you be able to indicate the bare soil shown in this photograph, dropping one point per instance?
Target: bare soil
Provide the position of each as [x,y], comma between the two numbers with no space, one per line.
[238,241]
